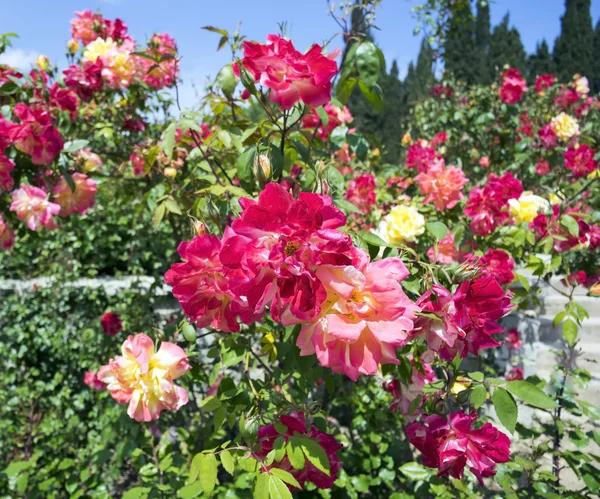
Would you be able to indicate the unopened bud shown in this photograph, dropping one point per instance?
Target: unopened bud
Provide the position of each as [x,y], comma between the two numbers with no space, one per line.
[262,169]
[595,289]
[42,62]
[406,139]
[73,46]
[170,172]
[199,228]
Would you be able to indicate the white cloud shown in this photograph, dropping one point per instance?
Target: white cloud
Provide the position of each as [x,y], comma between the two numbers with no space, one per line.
[19,58]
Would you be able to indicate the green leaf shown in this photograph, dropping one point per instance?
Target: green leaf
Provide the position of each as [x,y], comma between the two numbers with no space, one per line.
[315,454]
[506,408]
[437,230]
[195,468]
[158,215]
[569,223]
[344,89]
[346,206]
[261,487]
[323,115]
[168,140]
[278,489]
[75,145]
[415,471]
[190,491]
[372,239]
[137,493]
[244,169]
[209,404]
[367,62]
[570,332]
[172,206]
[478,395]
[222,32]
[286,476]
[247,78]
[373,94]
[227,81]
[295,454]
[189,332]
[227,461]
[476,376]
[219,417]
[208,473]
[530,394]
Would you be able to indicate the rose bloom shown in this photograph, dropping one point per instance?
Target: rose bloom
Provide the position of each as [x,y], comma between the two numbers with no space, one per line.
[406,139]
[291,75]
[404,395]
[527,207]
[403,224]
[567,98]
[580,160]
[515,374]
[547,136]
[111,323]
[439,139]
[164,73]
[84,79]
[544,81]
[564,126]
[542,167]
[7,235]
[32,206]
[144,378]
[78,201]
[513,86]
[336,115]
[499,264]
[484,162]
[364,318]
[446,251]
[295,424]
[91,161]
[442,185]
[6,166]
[86,26]
[513,339]
[118,66]
[595,290]
[582,86]
[90,378]
[449,444]
[420,155]
[361,192]
[35,135]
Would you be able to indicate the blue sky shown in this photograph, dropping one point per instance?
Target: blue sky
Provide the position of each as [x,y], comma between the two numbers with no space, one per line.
[43,26]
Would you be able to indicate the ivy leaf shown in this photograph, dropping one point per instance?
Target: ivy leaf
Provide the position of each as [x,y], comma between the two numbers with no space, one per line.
[261,487]
[208,473]
[286,476]
[227,461]
[530,394]
[570,331]
[478,395]
[315,454]
[278,489]
[437,230]
[506,408]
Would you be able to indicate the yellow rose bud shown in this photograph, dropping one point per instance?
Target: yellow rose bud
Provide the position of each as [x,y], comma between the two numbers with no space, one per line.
[199,228]
[42,62]
[406,139]
[170,172]
[262,169]
[73,46]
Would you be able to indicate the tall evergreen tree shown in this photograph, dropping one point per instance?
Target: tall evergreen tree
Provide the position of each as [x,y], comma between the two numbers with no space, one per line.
[411,85]
[424,77]
[394,114]
[483,71]
[540,62]
[506,48]
[574,48]
[460,45]
[596,63]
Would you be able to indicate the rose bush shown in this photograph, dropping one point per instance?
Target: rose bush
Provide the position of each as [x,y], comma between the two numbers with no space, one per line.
[339,317]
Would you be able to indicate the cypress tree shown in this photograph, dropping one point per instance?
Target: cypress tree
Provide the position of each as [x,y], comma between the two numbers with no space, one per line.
[460,45]
[574,48]
[540,62]
[506,48]
[394,114]
[424,77]
[411,84]
[483,71]
[595,80]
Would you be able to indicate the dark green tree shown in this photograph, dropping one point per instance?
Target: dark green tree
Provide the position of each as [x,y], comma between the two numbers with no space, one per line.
[411,85]
[540,62]
[394,115]
[424,76]
[595,80]
[574,48]
[506,48]
[483,70]
[459,50]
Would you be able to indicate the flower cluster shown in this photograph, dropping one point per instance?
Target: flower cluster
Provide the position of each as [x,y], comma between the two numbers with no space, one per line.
[450,443]
[361,192]
[144,378]
[442,184]
[336,116]
[513,86]
[291,75]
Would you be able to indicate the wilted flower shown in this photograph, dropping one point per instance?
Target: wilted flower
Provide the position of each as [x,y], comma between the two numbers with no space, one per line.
[144,378]
[449,443]
[6,166]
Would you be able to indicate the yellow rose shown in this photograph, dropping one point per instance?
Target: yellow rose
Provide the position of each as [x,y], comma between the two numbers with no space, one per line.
[555,199]
[401,225]
[98,48]
[526,208]
[564,126]
[582,87]
[406,139]
[42,62]
[460,385]
[72,46]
